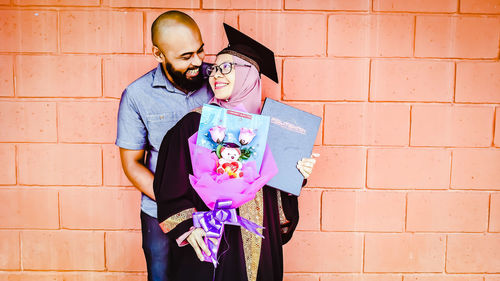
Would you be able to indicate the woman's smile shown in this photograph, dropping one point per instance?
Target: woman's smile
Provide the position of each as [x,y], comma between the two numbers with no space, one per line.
[220,84]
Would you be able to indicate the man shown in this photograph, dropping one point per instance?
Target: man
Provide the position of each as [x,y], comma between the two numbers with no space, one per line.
[149,107]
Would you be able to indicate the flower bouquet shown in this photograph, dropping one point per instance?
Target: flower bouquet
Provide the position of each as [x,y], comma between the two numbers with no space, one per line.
[231,163]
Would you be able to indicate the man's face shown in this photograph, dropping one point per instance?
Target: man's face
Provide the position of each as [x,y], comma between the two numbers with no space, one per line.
[181,54]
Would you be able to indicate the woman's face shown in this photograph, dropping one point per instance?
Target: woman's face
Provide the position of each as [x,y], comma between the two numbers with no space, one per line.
[223,84]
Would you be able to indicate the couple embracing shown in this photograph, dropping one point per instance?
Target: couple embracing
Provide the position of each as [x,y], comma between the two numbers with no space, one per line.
[156,118]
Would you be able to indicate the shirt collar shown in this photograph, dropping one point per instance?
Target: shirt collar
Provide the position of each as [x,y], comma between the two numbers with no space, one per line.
[160,80]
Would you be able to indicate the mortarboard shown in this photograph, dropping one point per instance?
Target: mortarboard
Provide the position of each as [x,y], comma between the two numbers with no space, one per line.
[259,55]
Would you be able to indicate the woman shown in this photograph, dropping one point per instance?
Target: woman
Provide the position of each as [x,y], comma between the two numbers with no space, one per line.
[235,80]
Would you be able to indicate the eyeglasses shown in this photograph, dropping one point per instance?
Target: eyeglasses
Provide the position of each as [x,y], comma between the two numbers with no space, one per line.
[224,68]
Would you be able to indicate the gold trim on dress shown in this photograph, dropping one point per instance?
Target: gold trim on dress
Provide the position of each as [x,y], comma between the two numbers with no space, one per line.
[253,211]
[174,220]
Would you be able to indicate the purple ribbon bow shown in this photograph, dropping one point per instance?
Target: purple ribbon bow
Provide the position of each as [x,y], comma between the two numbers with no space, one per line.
[213,223]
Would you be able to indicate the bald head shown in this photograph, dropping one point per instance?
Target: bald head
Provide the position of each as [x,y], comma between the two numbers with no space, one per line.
[172,22]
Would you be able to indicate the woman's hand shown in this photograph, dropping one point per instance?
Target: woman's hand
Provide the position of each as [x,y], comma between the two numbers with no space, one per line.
[306,165]
[196,240]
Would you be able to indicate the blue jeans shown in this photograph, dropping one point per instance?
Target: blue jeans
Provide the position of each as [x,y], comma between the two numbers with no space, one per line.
[155,244]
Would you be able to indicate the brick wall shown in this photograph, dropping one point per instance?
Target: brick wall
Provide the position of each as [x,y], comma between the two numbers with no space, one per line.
[408,184]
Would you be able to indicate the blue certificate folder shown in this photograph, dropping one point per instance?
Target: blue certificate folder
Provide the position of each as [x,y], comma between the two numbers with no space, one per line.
[233,121]
[291,137]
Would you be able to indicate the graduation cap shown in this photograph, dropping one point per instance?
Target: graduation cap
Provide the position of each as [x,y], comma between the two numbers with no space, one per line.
[243,46]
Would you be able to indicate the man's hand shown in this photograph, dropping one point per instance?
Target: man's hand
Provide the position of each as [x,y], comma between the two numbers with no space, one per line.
[196,240]
[306,165]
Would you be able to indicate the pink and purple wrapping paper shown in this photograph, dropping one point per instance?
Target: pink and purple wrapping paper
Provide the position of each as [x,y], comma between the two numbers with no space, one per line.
[211,186]
[223,194]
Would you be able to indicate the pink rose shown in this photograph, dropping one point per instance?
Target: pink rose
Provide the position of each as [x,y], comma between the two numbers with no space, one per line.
[246,136]
[218,133]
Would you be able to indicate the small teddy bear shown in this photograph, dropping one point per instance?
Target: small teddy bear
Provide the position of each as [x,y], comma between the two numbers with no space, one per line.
[229,161]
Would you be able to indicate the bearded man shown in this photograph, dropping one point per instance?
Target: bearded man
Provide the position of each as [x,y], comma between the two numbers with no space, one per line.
[149,107]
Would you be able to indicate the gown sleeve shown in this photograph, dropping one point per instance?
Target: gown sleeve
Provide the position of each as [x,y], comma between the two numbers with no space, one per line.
[175,198]
[289,213]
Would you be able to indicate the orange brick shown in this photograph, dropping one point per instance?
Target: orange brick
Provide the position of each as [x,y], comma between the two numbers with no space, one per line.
[62,250]
[361,277]
[300,277]
[408,168]
[442,277]
[100,209]
[6,76]
[310,210]
[447,125]
[61,164]
[8,164]
[28,276]
[101,32]
[354,5]
[363,211]
[28,31]
[270,89]
[274,30]
[497,127]
[344,252]
[370,35]
[451,37]
[103,276]
[9,247]
[28,121]
[444,6]
[473,253]
[242,4]
[447,211]
[178,4]
[313,108]
[339,168]
[480,6]
[29,208]
[411,80]
[367,124]
[495,213]
[475,169]
[210,24]
[113,172]
[404,252]
[57,2]
[62,76]
[124,251]
[4,2]
[492,278]
[347,79]
[478,82]
[71,276]
[120,71]
[87,121]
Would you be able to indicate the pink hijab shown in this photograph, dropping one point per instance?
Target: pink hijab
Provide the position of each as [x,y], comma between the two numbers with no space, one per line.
[247,91]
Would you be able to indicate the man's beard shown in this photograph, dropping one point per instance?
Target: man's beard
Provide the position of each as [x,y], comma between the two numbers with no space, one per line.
[180,79]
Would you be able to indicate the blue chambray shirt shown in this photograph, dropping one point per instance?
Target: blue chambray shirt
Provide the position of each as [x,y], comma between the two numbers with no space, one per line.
[149,107]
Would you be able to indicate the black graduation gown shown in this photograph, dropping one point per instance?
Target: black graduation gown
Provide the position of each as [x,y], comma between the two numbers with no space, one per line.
[174,194]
